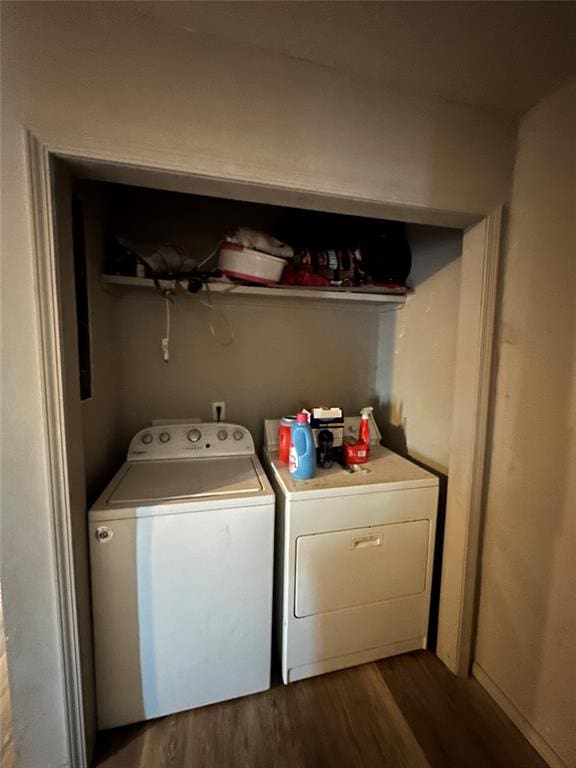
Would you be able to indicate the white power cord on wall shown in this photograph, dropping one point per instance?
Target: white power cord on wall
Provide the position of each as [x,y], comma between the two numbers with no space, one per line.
[229,332]
[216,314]
[165,341]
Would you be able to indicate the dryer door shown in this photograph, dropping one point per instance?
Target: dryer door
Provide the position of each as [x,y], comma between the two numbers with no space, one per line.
[342,569]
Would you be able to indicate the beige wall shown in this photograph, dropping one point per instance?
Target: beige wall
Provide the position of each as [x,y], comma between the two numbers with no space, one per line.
[100,412]
[78,74]
[83,69]
[527,621]
[283,354]
[417,351]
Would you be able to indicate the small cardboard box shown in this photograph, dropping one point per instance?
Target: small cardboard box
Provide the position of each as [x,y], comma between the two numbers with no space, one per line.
[331,419]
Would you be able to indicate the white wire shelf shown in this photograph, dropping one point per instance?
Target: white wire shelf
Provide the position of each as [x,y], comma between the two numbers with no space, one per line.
[366,295]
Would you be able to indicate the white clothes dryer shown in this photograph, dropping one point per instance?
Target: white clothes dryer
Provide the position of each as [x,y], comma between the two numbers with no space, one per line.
[181,549]
[354,556]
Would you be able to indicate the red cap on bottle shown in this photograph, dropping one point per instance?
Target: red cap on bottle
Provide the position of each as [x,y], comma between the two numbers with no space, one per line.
[301,417]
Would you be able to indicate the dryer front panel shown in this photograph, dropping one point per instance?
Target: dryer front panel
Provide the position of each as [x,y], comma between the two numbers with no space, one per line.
[344,569]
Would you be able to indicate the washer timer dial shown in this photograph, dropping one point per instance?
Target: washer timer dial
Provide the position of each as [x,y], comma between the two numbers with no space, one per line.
[194,435]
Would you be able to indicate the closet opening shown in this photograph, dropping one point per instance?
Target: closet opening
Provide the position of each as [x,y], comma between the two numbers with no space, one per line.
[401,355]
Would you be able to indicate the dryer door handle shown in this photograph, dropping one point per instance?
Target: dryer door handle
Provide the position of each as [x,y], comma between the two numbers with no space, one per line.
[370,540]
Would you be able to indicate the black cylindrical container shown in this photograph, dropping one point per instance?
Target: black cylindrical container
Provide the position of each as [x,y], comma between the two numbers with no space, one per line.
[325,443]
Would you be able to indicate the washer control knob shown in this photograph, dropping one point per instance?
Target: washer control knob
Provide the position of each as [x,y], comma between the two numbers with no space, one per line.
[164,437]
[194,435]
[222,434]
[238,434]
[147,438]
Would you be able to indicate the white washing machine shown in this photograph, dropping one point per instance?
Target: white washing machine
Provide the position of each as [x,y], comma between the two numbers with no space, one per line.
[354,555]
[181,548]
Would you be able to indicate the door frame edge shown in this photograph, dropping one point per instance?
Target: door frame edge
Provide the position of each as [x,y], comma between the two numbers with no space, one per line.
[459,593]
[46,289]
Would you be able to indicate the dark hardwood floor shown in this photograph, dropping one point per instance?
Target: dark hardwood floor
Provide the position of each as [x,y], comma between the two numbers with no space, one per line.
[407,711]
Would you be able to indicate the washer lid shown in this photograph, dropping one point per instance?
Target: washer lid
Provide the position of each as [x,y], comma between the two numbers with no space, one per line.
[156,481]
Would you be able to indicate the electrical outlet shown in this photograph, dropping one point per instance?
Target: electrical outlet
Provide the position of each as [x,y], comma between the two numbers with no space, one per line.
[219,411]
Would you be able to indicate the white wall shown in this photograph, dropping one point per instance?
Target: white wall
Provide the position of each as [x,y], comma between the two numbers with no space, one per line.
[525,651]
[79,74]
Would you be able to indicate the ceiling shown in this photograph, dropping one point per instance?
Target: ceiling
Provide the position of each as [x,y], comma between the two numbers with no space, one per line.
[500,56]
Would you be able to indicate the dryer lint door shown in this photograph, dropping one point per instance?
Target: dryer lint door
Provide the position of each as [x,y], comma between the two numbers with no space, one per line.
[343,569]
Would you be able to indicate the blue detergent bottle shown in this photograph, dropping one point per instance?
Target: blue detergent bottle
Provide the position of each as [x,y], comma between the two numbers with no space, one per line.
[302,464]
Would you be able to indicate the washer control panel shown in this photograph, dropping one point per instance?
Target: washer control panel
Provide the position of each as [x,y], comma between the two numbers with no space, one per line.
[186,441]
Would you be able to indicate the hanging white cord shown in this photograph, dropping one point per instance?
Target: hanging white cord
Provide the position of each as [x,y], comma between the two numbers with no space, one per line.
[230,332]
[166,339]
[167,294]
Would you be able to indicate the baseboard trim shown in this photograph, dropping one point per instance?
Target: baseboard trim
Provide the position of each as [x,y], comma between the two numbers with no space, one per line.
[526,729]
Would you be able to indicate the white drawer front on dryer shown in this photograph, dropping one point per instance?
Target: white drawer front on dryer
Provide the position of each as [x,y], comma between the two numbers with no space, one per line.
[342,569]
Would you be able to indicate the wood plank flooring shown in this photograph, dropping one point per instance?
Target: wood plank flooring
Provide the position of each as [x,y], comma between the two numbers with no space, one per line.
[403,712]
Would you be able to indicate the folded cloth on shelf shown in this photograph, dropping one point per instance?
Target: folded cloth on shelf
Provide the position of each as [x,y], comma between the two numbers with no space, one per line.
[261,241]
